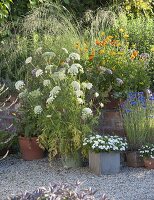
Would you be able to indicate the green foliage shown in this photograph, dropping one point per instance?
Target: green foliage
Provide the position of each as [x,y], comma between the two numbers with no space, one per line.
[4,9]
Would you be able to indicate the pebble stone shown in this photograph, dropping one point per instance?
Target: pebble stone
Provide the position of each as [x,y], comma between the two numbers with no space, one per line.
[17,175]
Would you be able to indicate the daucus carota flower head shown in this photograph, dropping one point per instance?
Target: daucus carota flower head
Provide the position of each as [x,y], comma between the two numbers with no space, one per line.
[39,72]
[79,93]
[75,85]
[119,81]
[55,91]
[65,50]
[19,85]
[73,70]
[46,82]
[50,100]
[74,56]
[87,85]
[38,50]
[35,93]
[101,105]
[49,55]
[38,110]
[108,71]
[28,60]
[80,101]
[86,112]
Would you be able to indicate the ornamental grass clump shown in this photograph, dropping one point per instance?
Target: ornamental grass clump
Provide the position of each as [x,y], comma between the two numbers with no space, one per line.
[98,143]
[138,119]
[55,98]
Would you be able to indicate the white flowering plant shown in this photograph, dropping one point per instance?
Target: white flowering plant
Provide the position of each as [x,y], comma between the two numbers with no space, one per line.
[147,151]
[105,143]
[62,111]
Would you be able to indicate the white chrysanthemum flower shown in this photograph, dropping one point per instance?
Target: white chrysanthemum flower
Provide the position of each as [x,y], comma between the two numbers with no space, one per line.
[19,85]
[65,50]
[75,85]
[96,94]
[39,72]
[35,93]
[38,110]
[50,100]
[73,70]
[28,60]
[46,82]
[49,54]
[55,91]
[79,93]
[86,112]
[80,101]
[101,105]
[74,56]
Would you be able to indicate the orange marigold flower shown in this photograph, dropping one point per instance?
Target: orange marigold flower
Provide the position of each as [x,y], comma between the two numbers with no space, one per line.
[132,57]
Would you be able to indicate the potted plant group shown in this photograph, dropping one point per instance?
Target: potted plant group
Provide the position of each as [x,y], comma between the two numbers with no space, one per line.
[104,153]
[137,112]
[147,152]
[27,122]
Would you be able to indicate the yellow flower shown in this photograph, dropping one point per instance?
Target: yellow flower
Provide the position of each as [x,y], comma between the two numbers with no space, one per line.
[121,30]
[126,36]
[134,46]
[102,34]
[102,51]
[152,49]
[112,53]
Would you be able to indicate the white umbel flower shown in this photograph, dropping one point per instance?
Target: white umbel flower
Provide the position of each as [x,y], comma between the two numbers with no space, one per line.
[46,82]
[38,110]
[55,91]
[79,93]
[19,85]
[87,85]
[74,56]
[50,100]
[73,70]
[65,50]
[75,85]
[28,60]
[96,94]
[86,112]
[39,72]
[101,105]
[80,101]
[119,81]
[49,55]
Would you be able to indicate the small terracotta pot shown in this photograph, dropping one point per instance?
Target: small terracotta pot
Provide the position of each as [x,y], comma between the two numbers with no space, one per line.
[30,149]
[149,163]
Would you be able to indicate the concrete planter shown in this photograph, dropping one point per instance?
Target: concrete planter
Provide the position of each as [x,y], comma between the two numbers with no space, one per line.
[104,163]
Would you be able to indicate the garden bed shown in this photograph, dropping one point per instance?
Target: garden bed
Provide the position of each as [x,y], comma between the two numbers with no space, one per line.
[17,176]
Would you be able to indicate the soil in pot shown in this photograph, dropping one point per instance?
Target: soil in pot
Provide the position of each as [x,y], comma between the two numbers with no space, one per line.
[134,159]
[149,163]
[30,149]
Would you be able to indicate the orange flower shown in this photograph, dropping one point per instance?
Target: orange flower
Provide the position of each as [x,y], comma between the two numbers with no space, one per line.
[132,57]
[103,43]
[135,53]
[98,42]
[91,57]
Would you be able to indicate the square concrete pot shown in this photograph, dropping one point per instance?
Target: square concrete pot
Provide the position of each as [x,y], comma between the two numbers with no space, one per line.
[104,162]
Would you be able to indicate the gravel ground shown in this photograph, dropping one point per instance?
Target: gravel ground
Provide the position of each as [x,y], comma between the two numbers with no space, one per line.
[17,175]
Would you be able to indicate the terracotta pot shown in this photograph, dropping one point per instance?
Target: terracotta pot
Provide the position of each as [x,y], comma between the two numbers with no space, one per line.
[30,149]
[149,163]
[134,159]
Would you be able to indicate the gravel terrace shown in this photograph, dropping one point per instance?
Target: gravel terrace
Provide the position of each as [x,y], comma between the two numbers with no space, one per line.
[17,175]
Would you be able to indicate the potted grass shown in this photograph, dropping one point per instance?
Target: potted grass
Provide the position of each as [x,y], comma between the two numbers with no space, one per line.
[27,122]
[136,112]
[147,152]
[104,153]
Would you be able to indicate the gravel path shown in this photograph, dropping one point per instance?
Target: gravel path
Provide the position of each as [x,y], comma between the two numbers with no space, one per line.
[17,175]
